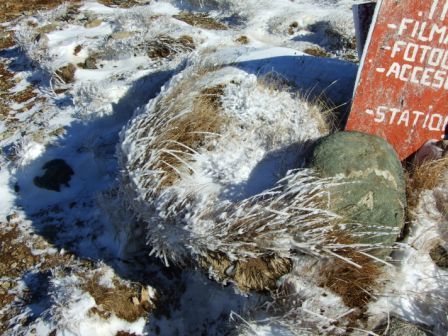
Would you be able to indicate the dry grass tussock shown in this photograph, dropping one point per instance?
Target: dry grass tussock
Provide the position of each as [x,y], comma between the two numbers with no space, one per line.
[166,46]
[11,9]
[201,20]
[356,285]
[122,300]
[119,3]
[251,242]
[183,133]
[423,176]
[259,274]
[317,51]
[292,216]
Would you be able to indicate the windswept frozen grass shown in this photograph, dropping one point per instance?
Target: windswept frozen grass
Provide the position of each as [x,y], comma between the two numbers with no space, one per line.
[210,168]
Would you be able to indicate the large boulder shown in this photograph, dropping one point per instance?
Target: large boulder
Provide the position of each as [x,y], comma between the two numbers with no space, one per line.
[371,196]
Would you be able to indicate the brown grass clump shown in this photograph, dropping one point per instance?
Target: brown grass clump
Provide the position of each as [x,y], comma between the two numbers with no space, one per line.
[119,3]
[15,256]
[121,300]
[259,274]
[293,27]
[189,130]
[316,51]
[200,20]
[6,39]
[354,284]
[77,50]
[24,95]
[11,9]
[243,39]
[423,176]
[67,73]
[165,46]
[6,78]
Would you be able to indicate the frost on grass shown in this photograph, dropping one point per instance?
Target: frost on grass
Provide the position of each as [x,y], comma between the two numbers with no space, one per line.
[78,301]
[416,290]
[210,168]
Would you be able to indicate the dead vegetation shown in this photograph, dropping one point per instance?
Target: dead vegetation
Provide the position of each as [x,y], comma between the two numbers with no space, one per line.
[6,79]
[243,39]
[15,255]
[16,258]
[188,131]
[24,95]
[77,50]
[166,46]
[67,73]
[128,302]
[11,9]
[423,176]
[293,27]
[6,39]
[255,274]
[119,3]
[200,20]
[317,51]
[355,285]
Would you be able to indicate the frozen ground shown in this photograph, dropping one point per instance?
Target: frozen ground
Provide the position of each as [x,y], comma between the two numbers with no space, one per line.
[121,58]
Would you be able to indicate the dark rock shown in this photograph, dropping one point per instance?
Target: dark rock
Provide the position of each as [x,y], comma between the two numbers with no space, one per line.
[440,256]
[90,63]
[373,193]
[57,173]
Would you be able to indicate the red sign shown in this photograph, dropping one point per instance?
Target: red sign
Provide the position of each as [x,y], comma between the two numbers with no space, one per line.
[402,87]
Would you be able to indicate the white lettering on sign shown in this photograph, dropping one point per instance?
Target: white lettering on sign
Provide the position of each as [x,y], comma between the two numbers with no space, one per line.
[421,64]
[394,116]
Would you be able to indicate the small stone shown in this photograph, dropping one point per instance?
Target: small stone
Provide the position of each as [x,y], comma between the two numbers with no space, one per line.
[48,28]
[93,23]
[14,265]
[122,35]
[6,285]
[90,63]
[440,256]
[11,217]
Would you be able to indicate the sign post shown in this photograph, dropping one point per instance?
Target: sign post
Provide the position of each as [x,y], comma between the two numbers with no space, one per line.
[402,85]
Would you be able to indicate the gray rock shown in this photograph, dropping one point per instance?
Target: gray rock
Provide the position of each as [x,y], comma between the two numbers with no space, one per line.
[372,196]
[90,63]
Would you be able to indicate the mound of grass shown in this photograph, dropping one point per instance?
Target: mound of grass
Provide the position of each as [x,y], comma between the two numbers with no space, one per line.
[166,46]
[200,20]
[122,300]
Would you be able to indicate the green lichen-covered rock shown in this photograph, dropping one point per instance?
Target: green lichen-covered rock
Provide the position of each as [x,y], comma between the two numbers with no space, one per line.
[372,196]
